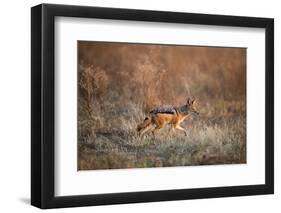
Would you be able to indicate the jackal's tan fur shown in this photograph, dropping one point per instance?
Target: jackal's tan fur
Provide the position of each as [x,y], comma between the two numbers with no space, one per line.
[161,116]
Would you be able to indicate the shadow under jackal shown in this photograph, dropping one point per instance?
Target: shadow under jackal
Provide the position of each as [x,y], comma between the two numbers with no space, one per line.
[161,116]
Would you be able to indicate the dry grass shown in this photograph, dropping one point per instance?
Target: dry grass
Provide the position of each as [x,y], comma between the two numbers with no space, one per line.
[119,83]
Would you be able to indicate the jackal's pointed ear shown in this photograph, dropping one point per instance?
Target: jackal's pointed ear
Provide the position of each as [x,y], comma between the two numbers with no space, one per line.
[188,101]
[193,101]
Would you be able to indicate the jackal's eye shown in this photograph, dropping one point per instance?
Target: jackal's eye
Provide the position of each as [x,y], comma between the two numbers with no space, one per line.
[146,118]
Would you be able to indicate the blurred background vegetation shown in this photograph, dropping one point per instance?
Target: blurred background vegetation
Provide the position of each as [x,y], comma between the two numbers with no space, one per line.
[119,83]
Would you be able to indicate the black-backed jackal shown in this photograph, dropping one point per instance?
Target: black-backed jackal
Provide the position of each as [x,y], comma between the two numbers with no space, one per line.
[161,116]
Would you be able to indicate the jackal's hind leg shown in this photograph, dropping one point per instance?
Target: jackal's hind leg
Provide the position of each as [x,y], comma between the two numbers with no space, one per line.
[172,129]
[156,129]
[146,129]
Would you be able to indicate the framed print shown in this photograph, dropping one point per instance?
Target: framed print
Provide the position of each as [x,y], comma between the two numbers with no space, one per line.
[139,106]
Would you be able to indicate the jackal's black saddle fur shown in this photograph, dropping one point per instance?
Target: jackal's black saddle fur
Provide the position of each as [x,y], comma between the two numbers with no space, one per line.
[164,109]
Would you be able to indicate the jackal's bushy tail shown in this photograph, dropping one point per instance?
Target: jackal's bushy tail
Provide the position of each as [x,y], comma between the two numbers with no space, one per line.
[144,124]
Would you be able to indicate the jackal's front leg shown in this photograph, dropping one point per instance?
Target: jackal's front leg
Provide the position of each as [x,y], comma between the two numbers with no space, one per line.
[181,129]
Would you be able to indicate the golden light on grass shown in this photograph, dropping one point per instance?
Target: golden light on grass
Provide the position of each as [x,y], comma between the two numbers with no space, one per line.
[120,83]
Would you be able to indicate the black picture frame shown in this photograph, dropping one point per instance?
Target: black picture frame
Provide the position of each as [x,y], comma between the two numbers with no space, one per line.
[43,102]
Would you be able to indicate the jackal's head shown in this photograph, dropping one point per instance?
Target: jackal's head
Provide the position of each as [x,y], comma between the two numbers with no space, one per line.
[189,108]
